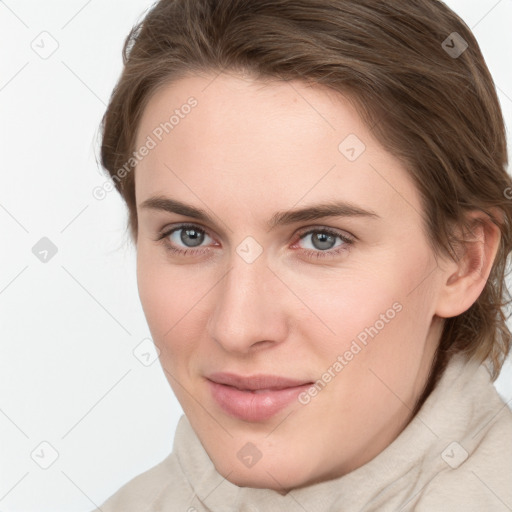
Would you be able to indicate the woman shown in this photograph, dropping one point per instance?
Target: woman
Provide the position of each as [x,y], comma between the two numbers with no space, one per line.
[318,195]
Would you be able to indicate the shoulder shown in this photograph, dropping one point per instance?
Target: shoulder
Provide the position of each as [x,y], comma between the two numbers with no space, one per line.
[141,491]
[477,470]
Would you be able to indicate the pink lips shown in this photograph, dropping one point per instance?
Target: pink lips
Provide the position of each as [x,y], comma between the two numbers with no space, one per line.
[255,398]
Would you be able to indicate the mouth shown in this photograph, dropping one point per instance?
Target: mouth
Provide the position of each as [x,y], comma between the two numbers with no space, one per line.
[256,398]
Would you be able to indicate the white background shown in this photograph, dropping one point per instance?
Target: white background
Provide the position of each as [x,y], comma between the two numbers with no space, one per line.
[68,327]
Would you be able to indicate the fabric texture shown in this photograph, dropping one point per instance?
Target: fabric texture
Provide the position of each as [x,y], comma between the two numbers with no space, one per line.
[454,455]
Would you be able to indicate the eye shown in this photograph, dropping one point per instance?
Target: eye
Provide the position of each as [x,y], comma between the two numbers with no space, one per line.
[322,242]
[189,239]
[184,239]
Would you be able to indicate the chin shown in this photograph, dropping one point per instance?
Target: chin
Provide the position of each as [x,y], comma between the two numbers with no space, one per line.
[280,483]
[277,477]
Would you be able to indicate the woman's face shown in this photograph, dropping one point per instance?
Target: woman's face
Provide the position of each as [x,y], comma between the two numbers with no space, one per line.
[341,300]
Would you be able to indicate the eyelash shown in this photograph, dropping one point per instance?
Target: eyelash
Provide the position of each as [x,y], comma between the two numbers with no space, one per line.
[311,254]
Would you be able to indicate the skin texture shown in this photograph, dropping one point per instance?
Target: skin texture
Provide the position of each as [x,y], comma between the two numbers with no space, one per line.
[248,150]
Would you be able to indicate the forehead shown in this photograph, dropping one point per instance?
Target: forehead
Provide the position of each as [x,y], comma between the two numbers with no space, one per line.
[281,142]
[227,102]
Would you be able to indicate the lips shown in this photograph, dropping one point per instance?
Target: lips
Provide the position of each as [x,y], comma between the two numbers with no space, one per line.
[256,382]
[254,398]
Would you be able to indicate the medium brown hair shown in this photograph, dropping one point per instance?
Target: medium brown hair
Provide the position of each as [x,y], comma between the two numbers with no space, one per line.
[436,111]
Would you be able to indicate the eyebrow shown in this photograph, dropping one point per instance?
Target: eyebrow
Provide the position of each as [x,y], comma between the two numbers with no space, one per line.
[309,213]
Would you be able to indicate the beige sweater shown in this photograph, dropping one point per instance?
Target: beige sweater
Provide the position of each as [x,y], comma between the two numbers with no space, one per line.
[455,455]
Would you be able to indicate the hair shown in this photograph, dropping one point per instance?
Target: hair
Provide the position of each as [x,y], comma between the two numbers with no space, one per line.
[435,110]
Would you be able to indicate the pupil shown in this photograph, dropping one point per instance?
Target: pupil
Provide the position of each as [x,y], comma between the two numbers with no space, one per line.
[193,235]
[324,240]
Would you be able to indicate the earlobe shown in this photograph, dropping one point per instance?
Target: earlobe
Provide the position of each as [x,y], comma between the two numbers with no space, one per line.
[464,280]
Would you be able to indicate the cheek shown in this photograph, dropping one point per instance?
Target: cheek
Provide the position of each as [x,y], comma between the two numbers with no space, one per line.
[347,306]
[376,319]
[167,300]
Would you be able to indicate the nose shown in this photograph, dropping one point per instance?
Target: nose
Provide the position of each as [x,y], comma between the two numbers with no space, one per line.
[249,311]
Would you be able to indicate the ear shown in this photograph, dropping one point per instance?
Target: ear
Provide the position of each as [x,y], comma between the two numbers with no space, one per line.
[464,280]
